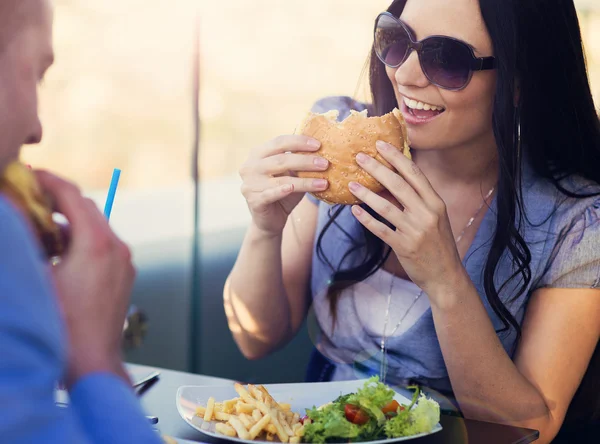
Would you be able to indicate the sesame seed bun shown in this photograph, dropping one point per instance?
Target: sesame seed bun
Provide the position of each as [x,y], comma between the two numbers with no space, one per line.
[342,141]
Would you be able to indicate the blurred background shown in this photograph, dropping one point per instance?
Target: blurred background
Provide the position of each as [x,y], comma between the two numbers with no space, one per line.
[120,95]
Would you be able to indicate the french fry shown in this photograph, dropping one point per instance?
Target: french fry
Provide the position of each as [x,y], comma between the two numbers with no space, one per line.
[268,395]
[225,429]
[229,406]
[254,391]
[259,426]
[284,424]
[242,407]
[208,414]
[239,427]
[299,432]
[245,419]
[220,416]
[244,394]
[263,408]
[256,415]
[283,437]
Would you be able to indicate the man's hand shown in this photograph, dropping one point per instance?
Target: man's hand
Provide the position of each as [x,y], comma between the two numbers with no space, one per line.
[93,281]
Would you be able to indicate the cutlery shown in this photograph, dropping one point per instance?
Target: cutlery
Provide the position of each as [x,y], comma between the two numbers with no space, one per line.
[152,376]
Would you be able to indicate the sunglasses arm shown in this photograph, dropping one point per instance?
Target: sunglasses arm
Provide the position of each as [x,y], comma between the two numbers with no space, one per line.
[483,63]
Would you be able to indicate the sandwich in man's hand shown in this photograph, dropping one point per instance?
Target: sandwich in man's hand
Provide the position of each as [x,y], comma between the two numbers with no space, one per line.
[20,185]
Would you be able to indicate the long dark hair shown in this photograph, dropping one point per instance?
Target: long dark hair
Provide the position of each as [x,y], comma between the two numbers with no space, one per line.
[540,54]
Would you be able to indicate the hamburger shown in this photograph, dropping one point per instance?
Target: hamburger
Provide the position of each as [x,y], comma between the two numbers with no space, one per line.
[342,141]
[20,185]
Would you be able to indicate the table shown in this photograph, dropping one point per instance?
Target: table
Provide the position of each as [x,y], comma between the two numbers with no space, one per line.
[159,400]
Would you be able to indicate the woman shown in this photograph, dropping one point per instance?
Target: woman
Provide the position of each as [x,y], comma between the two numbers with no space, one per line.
[488,278]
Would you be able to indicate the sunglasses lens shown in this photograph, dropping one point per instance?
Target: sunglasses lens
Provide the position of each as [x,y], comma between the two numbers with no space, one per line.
[391,41]
[446,62]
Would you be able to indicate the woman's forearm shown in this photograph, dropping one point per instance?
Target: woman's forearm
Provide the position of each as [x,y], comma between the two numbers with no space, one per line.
[487,384]
[255,299]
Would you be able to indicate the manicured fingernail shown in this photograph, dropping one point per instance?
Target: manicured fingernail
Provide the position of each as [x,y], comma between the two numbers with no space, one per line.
[357,210]
[354,186]
[320,183]
[287,188]
[381,145]
[320,162]
[313,143]
[362,158]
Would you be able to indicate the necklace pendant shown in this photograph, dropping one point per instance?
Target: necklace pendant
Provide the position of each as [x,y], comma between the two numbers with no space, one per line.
[382,362]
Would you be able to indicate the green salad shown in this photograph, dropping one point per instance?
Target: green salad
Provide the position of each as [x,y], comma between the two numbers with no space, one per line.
[370,414]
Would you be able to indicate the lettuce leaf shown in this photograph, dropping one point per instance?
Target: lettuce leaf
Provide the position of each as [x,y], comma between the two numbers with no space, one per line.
[422,418]
[329,423]
[372,398]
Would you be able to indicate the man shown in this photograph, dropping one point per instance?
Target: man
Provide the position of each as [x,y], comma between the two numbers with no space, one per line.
[65,323]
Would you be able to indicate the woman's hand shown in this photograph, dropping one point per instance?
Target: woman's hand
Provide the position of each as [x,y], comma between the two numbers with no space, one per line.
[269,184]
[423,239]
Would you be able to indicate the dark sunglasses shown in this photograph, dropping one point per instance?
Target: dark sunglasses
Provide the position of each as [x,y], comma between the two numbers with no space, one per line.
[446,62]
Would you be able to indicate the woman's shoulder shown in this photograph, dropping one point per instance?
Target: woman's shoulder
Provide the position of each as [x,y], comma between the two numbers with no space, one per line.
[342,104]
[569,226]
[545,201]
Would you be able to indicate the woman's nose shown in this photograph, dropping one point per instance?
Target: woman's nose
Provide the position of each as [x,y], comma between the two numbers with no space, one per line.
[410,72]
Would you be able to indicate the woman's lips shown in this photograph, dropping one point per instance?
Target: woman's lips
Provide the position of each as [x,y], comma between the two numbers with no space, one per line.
[418,116]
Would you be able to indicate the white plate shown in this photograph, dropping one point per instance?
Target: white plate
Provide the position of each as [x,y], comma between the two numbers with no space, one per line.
[301,397]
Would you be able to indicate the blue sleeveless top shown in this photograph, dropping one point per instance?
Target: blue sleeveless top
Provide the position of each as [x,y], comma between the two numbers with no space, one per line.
[562,233]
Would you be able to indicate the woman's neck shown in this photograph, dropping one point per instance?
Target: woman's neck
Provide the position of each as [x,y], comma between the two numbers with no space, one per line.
[460,167]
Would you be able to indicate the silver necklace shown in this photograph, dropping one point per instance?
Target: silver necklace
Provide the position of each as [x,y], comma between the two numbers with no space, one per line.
[383,365]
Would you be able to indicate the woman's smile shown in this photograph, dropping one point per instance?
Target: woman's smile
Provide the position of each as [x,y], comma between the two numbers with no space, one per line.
[416,112]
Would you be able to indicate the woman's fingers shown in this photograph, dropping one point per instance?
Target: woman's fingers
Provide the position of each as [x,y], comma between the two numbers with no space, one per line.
[380,205]
[284,186]
[409,170]
[391,180]
[379,229]
[287,143]
[282,163]
[273,189]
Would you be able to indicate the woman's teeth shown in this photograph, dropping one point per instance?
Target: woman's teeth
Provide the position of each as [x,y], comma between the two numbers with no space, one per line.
[413,104]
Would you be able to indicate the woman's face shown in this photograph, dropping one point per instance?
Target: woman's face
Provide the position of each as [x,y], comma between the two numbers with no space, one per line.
[466,115]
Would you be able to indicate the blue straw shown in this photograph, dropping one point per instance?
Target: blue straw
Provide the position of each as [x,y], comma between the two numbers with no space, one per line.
[111,192]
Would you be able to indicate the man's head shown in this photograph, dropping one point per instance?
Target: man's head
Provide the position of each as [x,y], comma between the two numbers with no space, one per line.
[26,53]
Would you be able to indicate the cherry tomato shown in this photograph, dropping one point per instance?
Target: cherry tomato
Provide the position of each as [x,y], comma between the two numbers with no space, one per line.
[355,414]
[391,406]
